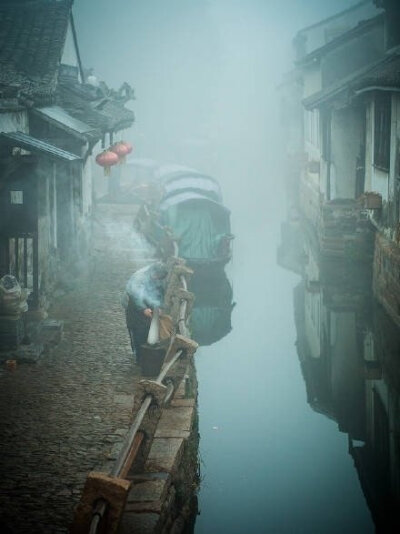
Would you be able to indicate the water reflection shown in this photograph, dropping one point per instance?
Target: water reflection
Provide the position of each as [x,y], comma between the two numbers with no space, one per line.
[349,352]
[212,308]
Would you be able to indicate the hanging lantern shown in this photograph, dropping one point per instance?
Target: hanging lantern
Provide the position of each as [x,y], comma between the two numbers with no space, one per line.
[107,159]
[128,146]
[122,149]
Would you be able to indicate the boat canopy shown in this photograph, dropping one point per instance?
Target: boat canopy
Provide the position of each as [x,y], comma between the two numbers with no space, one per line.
[186,196]
[192,182]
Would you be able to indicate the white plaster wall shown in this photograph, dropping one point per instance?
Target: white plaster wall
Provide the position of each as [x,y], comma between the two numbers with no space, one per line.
[323,181]
[312,81]
[15,121]
[380,183]
[69,56]
[87,186]
[377,180]
[369,152]
[312,304]
[394,146]
[347,136]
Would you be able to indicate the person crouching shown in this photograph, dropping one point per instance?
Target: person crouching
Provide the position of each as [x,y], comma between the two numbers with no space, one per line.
[144,292]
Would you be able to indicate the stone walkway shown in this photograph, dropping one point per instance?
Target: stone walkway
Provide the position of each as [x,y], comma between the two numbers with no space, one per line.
[65,415]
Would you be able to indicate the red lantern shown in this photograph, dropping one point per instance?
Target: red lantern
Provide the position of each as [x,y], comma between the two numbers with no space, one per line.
[122,149]
[128,147]
[107,159]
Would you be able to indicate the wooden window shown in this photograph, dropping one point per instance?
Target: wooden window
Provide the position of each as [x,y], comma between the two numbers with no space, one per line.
[382,132]
[16,197]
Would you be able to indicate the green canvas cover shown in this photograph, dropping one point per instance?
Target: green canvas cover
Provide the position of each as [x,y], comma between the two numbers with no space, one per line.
[198,226]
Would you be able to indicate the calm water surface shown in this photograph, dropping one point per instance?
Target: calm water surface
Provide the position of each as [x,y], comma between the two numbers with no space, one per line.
[269,463]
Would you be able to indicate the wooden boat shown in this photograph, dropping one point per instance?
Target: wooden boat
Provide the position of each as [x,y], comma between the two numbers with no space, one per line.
[190,209]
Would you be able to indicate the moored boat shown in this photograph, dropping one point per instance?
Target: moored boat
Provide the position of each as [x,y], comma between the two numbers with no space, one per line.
[192,212]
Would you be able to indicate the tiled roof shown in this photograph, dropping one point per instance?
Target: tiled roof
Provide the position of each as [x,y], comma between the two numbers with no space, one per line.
[58,116]
[32,36]
[382,73]
[23,140]
[90,105]
[362,27]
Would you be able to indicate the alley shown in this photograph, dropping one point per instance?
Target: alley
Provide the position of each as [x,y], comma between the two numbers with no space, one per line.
[65,415]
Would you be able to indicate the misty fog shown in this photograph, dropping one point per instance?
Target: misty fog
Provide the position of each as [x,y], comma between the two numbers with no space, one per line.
[206,76]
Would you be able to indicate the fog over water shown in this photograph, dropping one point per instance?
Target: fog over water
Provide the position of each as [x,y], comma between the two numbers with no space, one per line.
[206,75]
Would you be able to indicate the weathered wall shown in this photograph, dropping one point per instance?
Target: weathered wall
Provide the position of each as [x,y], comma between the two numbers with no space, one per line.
[347,137]
[353,55]
[319,34]
[87,186]
[16,121]
[312,299]
[69,56]
[375,179]
[47,229]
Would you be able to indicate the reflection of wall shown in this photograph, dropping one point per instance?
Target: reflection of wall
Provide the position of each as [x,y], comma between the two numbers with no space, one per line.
[347,380]
[212,309]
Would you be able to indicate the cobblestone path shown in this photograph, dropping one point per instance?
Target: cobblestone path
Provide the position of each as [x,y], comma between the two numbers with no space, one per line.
[66,414]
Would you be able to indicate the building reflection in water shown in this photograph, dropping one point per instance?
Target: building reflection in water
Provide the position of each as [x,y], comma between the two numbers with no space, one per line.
[349,352]
[211,314]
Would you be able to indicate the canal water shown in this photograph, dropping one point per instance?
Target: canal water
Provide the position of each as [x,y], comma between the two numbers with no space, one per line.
[269,462]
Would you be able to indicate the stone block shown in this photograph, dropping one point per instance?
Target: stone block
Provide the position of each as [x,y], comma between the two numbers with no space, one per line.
[180,392]
[146,477]
[148,490]
[183,402]
[139,522]
[175,422]
[144,507]
[164,455]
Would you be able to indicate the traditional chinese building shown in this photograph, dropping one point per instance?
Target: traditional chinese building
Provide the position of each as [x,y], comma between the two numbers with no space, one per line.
[51,121]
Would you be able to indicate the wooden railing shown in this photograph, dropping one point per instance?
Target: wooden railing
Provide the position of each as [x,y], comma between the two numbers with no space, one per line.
[104,496]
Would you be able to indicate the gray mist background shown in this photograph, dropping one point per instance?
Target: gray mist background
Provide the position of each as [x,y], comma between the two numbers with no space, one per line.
[206,76]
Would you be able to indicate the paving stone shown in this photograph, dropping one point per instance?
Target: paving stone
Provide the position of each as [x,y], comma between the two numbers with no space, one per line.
[164,455]
[124,401]
[50,439]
